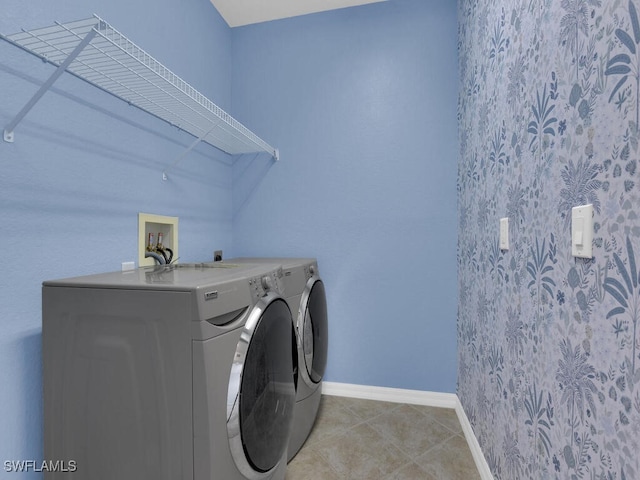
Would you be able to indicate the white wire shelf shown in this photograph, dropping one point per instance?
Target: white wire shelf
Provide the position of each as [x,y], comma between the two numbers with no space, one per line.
[94,51]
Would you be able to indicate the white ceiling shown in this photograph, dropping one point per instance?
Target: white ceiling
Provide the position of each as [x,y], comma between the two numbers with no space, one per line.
[245,12]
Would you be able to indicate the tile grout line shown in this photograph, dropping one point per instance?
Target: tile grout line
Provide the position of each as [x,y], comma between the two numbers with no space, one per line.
[435,419]
[416,397]
[390,440]
[364,416]
[412,458]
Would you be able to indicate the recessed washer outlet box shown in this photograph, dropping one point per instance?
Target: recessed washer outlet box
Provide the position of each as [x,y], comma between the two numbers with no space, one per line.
[156,225]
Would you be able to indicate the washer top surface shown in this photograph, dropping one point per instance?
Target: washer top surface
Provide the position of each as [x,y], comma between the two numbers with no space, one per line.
[285,262]
[187,276]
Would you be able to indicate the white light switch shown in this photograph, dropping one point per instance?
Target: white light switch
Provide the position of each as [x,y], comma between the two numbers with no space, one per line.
[504,233]
[578,232]
[582,231]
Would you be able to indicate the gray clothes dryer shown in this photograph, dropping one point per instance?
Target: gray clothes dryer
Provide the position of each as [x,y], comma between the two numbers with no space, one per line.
[304,291]
[173,372]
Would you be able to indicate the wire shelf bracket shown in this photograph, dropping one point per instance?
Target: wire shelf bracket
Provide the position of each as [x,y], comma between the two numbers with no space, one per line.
[97,53]
[8,130]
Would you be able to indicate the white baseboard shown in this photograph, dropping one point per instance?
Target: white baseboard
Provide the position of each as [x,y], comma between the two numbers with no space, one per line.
[385,394]
[416,397]
[472,441]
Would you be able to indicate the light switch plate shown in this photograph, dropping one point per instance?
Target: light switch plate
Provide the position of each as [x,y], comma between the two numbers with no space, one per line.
[582,231]
[504,233]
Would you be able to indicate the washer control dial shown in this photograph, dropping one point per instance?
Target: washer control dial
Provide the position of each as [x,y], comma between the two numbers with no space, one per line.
[267,283]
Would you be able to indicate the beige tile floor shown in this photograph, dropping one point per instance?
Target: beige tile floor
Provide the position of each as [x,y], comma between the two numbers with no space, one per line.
[364,439]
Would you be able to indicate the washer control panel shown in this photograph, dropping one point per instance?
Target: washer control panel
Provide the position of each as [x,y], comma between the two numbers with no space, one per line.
[269,282]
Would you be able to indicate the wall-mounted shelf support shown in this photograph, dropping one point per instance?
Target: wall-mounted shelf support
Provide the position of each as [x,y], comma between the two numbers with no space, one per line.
[184,154]
[95,52]
[8,130]
[275,155]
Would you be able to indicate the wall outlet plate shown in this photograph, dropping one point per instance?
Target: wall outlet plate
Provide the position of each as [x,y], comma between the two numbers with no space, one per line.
[155,224]
[128,266]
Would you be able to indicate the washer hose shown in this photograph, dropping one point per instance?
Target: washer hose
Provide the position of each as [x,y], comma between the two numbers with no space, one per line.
[158,258]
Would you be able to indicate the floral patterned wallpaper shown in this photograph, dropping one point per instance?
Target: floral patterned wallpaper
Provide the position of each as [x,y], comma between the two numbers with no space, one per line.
[549,345]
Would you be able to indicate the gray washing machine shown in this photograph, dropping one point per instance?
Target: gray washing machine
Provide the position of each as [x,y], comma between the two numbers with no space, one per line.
[304,291]
[173,372]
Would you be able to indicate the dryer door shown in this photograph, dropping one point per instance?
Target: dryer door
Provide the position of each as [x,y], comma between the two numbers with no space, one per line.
[313,329]
[261,389]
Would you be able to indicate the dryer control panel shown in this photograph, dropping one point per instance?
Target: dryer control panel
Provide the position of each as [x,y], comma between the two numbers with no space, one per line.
[310,271]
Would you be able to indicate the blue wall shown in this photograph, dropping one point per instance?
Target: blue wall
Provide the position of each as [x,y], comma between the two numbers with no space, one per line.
[362,104]
[83,165]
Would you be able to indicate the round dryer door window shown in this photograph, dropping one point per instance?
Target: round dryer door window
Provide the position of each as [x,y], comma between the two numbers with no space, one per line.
[315,329]
[260,418]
